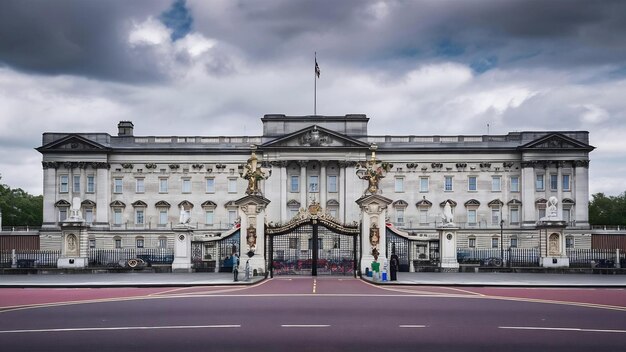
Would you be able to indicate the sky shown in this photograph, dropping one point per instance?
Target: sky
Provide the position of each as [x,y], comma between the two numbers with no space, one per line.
[177,67]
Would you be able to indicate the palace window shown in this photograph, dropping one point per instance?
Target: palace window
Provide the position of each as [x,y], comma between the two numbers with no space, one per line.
[162,242]
[232,216]
[495,215]
[494,242]
[566,183]
[293,243]
[64,183]
[140,187]
[471,183]
[423,184]
[447,184]
[472,242]
[186,185]
[514,215]
[163,185]
[117,216]
[399,184]
[332,184]
[294,184]
[554,182]
[539,186]
[139,216]
[514,242]
[423,216]
[471,216]
[162,217]
[313,184]
[92,243]
[140,242]
[208,217]
[496,183]
[76,184]
[232,185]
[569,242]
[89,215]
[91,185]
[62,213]
[118,242]
[210,185]
[400,216]
[514,183]
[117,185]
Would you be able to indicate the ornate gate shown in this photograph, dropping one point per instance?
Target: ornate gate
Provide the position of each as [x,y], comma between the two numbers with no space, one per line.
[423,253]
[215,256]
[313,243]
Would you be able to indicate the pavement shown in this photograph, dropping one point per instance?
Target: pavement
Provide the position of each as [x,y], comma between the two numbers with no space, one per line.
[225,279]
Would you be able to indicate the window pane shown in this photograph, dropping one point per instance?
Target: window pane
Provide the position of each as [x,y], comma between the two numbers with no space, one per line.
[514,242]
[118,185]
[117,216]
[400,216]
[209,217]
[424,184]
[471,216]
[542,213]
[232,216]
[514,183]
[566,185]
[186,185]
[62,214]
[210,185]
[539,182]
[89,215]
[232,185]
[118,243]
[295,184]
[495,216]
[313,184]
[472,242]
[163,186]
[514,215]
[554,182]
[448,183]
[332,184]
[494,243]
[163,217]
[423,216]
[162,242]
[139,217]
[140,185]
[495,184]
[139,243]
[91,187]
[76,185]
[471,183]
[63,184]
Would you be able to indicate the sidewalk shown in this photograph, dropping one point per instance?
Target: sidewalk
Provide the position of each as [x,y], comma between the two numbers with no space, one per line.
[224,279]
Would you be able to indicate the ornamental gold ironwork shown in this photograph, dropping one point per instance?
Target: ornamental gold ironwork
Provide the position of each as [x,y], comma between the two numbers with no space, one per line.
[373,171]
[253,173]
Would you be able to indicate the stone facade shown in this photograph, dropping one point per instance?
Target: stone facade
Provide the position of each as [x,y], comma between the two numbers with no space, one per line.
[134,188]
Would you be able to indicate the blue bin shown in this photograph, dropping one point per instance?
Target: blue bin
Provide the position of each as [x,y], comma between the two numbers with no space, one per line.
[384,276]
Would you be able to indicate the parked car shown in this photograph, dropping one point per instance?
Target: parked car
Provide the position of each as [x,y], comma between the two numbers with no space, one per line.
[491,261]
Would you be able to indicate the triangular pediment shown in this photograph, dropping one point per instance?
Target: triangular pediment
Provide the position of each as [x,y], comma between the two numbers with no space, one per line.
[556,141]
[315,137]
[74,143]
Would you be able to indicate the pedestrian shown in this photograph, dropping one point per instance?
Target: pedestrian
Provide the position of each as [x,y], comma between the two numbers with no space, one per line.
[236,267]
[395,267]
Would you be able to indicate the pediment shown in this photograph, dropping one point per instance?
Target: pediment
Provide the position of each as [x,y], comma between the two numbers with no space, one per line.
[74,143]
[556,141]
[162,204]
[315,137]
[472,202]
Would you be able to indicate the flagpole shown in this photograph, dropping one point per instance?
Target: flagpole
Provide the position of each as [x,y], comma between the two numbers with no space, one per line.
[315,88]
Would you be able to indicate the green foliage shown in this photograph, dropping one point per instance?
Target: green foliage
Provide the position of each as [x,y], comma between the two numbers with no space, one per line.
[609,210]
[20,208]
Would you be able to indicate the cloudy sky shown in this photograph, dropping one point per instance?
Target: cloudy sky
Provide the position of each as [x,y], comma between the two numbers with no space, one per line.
[215,67]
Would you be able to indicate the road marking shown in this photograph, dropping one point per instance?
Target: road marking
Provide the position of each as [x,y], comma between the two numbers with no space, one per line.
[304,326]
[411,326]
[559,329]
[121,328]
[314,285]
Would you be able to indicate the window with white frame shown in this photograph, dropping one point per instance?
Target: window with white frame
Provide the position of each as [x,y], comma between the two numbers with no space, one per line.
[162,242]
[232,185]
[494,242]
[554,182]
[118,242]
[496,183]
[232,217]
[333,212]
[91,184]
[399,184]
[139,216]
[293,212]
[400,216]
[117,185]
[471,242]
[89,215]
[140,242]
[541,211]
[140,186]
[163,185]
[210,185]
[423,216]
[471,216]
[471,183]
[117,216]
[514,242]
[514,183]
[495,215]
[313,183]
[567,214]
[162,217]
[64,184]
[76,184]
[566,183]
[539,186]
[569,242]
[447,184]
[423,184]
[332,184]
[186,186]
[514,216]
[294,183]
[208,217]
[62,213]
[92,243]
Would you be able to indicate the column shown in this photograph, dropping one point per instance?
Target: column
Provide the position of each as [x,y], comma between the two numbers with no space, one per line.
[323,183]
[341,183]
[49,193]
[528,193]
[581,183]
[103,190]
[559,183]
[283,191]
[303,183]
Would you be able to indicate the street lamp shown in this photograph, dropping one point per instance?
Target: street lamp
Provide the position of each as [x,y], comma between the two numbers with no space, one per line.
[501,239]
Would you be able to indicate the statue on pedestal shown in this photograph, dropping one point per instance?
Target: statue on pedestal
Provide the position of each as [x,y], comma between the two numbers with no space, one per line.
[253,174]
[373,172]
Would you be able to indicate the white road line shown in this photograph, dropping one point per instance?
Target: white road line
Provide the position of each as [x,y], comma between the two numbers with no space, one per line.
[121,328]
[304,326]
[411,326]
[559,329]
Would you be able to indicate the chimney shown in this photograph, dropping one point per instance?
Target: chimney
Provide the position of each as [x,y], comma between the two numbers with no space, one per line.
[125,128]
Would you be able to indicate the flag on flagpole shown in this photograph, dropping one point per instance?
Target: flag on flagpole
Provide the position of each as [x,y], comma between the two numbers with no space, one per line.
[317,69]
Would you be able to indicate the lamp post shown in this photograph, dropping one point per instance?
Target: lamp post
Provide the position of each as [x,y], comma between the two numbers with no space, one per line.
[501,239]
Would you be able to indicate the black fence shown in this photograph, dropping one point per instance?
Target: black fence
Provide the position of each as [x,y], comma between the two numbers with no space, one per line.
[118,257]
[520,257]
[595,258]
[29,259]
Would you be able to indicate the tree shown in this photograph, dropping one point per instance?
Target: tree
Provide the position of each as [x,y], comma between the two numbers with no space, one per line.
[609,210]
[20,208]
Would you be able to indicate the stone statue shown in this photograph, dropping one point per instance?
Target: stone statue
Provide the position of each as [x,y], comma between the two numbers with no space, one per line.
[253,174]
[184,216]
[551,205]
[75,209]
[553,245]
[373,173]
[447,214]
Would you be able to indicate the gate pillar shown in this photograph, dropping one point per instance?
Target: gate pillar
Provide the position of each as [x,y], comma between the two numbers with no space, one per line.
[252,214]
[182,248]
[373,229]
[75,237]
[552,238]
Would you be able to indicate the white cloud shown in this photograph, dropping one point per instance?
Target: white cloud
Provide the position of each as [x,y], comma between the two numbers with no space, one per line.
[149,32]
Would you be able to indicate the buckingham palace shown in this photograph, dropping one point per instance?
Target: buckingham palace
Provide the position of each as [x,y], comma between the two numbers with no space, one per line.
[372,194]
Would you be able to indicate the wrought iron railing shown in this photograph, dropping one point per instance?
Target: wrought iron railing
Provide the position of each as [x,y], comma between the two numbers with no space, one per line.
[29,258]
[113,257]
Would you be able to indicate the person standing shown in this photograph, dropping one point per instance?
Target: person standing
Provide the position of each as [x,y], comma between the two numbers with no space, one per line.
[236,267]
[395,267]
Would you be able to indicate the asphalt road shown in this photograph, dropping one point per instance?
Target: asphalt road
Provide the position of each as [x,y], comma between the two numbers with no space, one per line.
[306,314]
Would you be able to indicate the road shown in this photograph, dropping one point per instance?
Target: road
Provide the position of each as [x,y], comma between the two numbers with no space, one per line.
[313,314]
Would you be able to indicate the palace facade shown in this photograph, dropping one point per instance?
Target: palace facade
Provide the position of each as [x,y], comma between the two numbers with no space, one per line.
[134,190]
